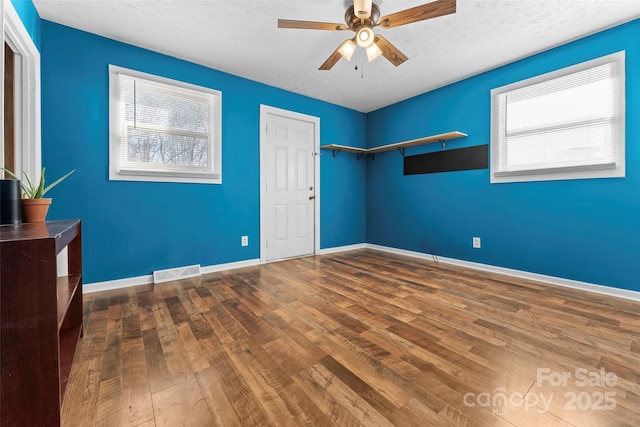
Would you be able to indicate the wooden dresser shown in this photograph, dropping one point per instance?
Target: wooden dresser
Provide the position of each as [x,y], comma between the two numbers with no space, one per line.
[40,319]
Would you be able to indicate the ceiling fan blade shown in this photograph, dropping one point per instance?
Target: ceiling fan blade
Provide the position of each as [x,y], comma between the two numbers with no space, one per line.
[310,25]
[331,60]
[418,13]
[389,51]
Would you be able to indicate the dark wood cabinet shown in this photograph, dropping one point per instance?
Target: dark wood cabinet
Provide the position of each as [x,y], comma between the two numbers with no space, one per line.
[40,319]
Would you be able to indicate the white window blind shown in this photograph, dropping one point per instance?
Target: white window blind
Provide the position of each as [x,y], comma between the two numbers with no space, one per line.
[164,130]
[570,121]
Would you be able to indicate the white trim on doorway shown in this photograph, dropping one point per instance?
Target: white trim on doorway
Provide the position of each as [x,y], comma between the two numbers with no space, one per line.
[264,111]
[27,99]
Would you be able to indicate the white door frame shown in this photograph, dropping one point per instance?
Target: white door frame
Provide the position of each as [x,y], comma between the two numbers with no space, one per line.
[27,99]
[264,111]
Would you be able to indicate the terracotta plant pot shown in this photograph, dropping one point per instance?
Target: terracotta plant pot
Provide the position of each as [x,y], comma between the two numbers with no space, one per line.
[35,210]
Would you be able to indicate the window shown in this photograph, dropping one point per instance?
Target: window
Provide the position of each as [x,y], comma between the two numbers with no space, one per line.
[163,130]
[568,124]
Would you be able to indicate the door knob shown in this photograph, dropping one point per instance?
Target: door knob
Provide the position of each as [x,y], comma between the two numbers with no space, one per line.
[312,197]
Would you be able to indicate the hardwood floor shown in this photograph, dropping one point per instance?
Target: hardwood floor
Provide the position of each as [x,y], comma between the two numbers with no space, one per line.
[356,338]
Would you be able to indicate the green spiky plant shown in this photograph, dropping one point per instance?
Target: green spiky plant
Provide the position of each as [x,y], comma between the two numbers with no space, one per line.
[30,191]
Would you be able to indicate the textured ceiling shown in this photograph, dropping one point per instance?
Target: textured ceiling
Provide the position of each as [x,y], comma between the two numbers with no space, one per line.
[241,37]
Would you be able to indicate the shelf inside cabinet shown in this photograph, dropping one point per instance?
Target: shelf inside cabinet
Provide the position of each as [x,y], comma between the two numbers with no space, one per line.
[40,320]
[68,341]
[66,288]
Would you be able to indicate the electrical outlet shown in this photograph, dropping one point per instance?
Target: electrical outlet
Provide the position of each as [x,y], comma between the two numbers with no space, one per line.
[476,242]
[245,241]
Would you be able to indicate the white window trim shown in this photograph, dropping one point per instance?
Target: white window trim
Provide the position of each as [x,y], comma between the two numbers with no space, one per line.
[27,97]
[116,173]
[613,170]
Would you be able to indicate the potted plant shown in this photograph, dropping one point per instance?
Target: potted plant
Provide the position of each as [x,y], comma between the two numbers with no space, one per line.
[34,205]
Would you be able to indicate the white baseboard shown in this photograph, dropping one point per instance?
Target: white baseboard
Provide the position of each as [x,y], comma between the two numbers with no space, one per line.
[230,266]
[559,281]
[337,249]
[117,284]
[148,279]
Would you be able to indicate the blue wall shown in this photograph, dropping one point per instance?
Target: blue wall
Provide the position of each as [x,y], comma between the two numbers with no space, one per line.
[133,228]
[586,230]
[30,18]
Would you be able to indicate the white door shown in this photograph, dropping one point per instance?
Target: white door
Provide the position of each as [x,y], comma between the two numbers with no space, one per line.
[289,186]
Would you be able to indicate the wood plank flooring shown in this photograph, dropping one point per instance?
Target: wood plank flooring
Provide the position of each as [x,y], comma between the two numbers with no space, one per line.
[356,338]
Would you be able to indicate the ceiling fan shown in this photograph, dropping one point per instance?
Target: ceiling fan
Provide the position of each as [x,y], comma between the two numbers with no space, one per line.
[361,18]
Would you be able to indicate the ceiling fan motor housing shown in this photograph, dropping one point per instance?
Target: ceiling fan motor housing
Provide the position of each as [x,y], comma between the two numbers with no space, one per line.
[353,20]
[362,8]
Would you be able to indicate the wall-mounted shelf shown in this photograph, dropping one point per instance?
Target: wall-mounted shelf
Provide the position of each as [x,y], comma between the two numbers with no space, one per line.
[338,148]
[441,138]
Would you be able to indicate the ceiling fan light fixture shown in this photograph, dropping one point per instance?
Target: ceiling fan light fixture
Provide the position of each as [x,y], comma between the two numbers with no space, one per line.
[361,17]
[346,49]
[373,52]
[362,8]
[365,36]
